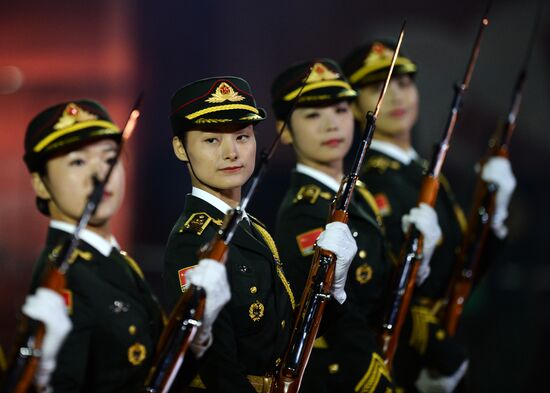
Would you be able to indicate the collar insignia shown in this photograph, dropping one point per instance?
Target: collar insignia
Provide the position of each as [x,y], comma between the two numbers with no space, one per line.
[224,92]
[321,73]
[71,115]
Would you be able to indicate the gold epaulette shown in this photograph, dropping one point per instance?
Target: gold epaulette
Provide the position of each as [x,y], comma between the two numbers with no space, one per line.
[382,164]
[198,222]
[310,193]
[77,253]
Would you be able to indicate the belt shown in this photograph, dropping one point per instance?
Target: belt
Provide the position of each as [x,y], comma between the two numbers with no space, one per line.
[262,384]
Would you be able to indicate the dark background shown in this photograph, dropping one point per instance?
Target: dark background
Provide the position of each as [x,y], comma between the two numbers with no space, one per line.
[111,50]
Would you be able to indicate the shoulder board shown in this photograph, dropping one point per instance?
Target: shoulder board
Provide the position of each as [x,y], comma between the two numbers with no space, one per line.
[382,163]
[198,222]
[310,193]
[77,253]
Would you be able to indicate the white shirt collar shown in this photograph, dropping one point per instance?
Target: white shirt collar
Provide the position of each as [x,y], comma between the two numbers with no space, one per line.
[319,176]
[93,239]
[213,200]
[394,151]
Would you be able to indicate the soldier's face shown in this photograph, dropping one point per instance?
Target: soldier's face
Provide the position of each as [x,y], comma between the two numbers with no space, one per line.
[68,181]
[221,160]
[399,109]
[322,135]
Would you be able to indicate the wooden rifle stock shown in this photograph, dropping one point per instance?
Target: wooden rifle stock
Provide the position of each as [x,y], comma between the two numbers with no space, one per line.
[27,352]
[411,253]
[470,257]
[312,305]
[321,274]
[187,315]
[405,276]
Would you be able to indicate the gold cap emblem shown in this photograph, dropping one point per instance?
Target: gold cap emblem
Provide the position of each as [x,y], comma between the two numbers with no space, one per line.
[224,92]
[378,52]
[71,115]
[321,73]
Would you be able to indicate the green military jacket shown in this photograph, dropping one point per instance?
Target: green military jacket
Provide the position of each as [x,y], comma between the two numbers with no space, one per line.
[354,361]
[116,321]
[253,329]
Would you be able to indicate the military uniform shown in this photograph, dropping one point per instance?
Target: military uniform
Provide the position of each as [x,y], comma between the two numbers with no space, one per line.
[395,184]
[253,329]
[348,355]
[116,319]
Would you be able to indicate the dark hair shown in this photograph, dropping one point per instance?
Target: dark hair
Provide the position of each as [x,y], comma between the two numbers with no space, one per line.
[41,203]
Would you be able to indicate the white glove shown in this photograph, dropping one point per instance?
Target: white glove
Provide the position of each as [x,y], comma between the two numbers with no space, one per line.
[48,307]
[337,238]
[428,384]
[210,275]
[425,220]
[498,170]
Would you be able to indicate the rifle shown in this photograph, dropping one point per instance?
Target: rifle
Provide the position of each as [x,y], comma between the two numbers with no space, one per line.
[187,314]
[321,275]
[27,351]
[411,250]
[470,261]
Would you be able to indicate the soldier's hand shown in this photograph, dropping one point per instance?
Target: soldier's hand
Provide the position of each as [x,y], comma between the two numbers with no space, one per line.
[425,220]
[337,238]
[48,307]
[210,275]
[498,170]
[426,383]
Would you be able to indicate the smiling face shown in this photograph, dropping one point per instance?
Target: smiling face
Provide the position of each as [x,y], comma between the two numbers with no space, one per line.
[321,137]
[220,161]
[68,182]
[399,110]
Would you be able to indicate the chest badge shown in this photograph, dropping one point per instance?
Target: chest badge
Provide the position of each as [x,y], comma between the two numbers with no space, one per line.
[363,274]
[136,354]
[256,311]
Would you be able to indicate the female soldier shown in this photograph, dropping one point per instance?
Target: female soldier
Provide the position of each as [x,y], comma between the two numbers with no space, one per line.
[212,121]
[116,319]
[321,132]
[393,172]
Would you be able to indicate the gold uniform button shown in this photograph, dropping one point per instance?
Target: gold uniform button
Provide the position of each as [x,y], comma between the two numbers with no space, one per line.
[253,289]
[132,329]
[283,324]
[333,368]
[362,254]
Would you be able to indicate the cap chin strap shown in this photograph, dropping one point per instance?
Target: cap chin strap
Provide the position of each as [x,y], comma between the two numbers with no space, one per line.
[191,166]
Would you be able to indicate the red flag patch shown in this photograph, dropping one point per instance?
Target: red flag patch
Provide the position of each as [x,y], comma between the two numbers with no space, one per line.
[307,239]
[181,276]
[68,298]
[383,204]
